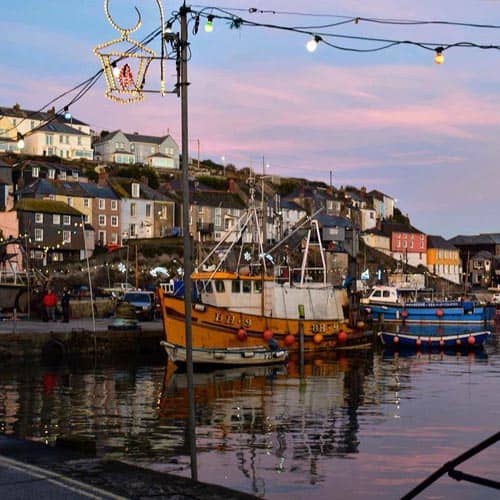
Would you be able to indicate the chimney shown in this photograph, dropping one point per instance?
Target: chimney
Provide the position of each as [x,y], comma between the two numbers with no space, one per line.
[16,107]
[102,179]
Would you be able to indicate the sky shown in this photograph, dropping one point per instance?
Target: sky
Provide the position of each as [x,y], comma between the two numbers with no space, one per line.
[392,120]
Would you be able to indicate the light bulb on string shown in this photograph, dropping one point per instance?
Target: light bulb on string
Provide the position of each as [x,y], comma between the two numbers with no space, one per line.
[312,44]
[115,69]
[439,58]
[209,25]
[67,113]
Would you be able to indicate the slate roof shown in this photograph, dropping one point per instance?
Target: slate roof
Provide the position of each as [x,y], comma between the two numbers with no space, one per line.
[395,227]
[95,191]
[434,241]
[35,115]
[45,206]
[58,128]
[148,139]
[477,239]
[291,205]
[223,199]
[332,221]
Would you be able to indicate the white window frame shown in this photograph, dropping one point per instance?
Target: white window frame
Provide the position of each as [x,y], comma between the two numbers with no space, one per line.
[56,219]
[67,220]
[35,172]
[51,174]
[114,205]
[136,190]
[66,238]
[102,204]
[38,218]
[114,221]
[38,234]
[86,203]
[102,220]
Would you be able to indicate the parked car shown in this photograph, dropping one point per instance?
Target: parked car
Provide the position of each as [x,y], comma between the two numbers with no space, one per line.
[118,289]
[144,303]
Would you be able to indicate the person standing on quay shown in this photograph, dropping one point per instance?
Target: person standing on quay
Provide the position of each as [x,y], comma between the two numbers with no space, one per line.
[50,303]
[66,295]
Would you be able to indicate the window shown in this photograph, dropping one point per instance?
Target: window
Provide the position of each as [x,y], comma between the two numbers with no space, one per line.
[219,286]
[86,203]
[152,149]
[102,204]
[39,218]
[218,216]
[49,139]
[66,236]
[32,124]
[235,286]
[62,174]
[148,210]
[102,237]
[114,221]
[66,220]
[114,237]
[133,210]
[35,171]
[257,286]
[38,234]
[79,140]
[114,205]
[56,219]
[135,190]
[61,139]
[52,173]
[69,201]
[247,286]
[102,220]
[75,173]
[133,232]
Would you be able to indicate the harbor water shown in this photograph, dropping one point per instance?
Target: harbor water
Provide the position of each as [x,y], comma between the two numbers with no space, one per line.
[358,425]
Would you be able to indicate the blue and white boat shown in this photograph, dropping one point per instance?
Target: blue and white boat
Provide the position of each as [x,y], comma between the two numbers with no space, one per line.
[392,304]
[434,337]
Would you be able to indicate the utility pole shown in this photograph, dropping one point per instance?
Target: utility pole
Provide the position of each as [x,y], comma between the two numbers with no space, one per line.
[188,283]
[263,207]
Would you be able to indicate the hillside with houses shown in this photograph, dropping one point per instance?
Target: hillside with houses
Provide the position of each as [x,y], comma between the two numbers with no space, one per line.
[67,194]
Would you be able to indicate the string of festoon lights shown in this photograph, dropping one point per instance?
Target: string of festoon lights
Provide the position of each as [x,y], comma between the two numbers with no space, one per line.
[319,34]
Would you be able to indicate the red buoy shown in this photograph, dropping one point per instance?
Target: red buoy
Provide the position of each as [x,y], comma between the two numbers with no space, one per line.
[439,312]
[289,339]
[342,336]
[471,340]
[395,339]
[241,334]
[418,341]
[318,338]
[268,334]
[404,313]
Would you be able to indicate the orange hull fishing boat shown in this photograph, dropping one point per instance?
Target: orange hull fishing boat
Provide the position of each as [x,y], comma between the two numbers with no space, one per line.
[252,304]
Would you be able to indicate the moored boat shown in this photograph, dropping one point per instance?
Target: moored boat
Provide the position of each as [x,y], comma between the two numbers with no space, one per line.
[392,304]
[435,336]
[243,299]
[230,356]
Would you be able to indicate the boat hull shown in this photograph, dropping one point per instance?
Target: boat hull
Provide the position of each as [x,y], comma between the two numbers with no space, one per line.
[459,340]
[219,327]
[442,313]
[237,356]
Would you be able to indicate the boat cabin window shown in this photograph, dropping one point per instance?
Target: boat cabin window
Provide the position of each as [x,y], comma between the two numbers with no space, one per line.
[236,286]
[386,293]
[219,286]
[377,293]
[207,286]
[247,286]
[257,286]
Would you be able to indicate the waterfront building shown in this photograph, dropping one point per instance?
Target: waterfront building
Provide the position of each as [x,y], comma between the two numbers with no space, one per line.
[443,259]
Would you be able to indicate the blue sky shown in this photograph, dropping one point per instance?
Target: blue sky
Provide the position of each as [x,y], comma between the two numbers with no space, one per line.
[392,120]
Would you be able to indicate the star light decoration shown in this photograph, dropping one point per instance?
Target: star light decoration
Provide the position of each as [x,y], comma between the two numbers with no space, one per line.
[125,62]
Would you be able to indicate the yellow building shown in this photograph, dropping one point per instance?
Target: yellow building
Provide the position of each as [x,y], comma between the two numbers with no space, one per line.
[443,259]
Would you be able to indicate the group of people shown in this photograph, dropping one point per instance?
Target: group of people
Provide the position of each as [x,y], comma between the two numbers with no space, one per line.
[49,302]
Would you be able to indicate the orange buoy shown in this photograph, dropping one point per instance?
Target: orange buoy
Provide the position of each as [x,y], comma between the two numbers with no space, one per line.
[439,312]
[404,313]
[318,338]
[471,340]
[241,334]
[289,339]
[395,339]
[342,336]
[267,334]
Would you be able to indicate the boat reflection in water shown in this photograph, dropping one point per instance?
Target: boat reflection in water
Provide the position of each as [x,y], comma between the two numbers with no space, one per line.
[264,418]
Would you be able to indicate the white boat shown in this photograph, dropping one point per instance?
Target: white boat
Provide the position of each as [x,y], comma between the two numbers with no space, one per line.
[230,356]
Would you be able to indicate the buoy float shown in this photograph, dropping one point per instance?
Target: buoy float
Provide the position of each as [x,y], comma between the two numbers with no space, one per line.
[471,340]
[395,339]
[267,334]
[241,334]
[441,341]
[289,339]
[439,312]
[318,338]
[360,324]
[418,341]
[459,341]
[342,336]
[404,313]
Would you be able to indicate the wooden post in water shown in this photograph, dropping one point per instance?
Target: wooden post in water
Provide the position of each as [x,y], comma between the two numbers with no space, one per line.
[301,336]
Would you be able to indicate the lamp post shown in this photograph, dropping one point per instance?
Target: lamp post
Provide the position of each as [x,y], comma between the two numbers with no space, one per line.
[263,207]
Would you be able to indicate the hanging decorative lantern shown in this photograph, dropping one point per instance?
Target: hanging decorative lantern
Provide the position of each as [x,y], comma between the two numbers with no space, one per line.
[125,62]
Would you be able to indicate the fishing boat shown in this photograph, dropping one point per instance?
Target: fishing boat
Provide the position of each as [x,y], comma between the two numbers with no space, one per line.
[393,304]
[434,336]
[242,298]
[230,356]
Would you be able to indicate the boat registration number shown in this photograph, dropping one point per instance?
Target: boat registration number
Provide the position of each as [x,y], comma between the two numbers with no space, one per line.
[230,319]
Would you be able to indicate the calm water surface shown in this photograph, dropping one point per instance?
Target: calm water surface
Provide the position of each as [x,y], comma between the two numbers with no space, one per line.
[364,425]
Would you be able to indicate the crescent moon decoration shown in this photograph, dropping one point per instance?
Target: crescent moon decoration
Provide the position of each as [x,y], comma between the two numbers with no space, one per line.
[123,57]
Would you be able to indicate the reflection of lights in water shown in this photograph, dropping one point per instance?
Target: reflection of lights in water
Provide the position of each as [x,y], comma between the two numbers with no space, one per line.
[397,402]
